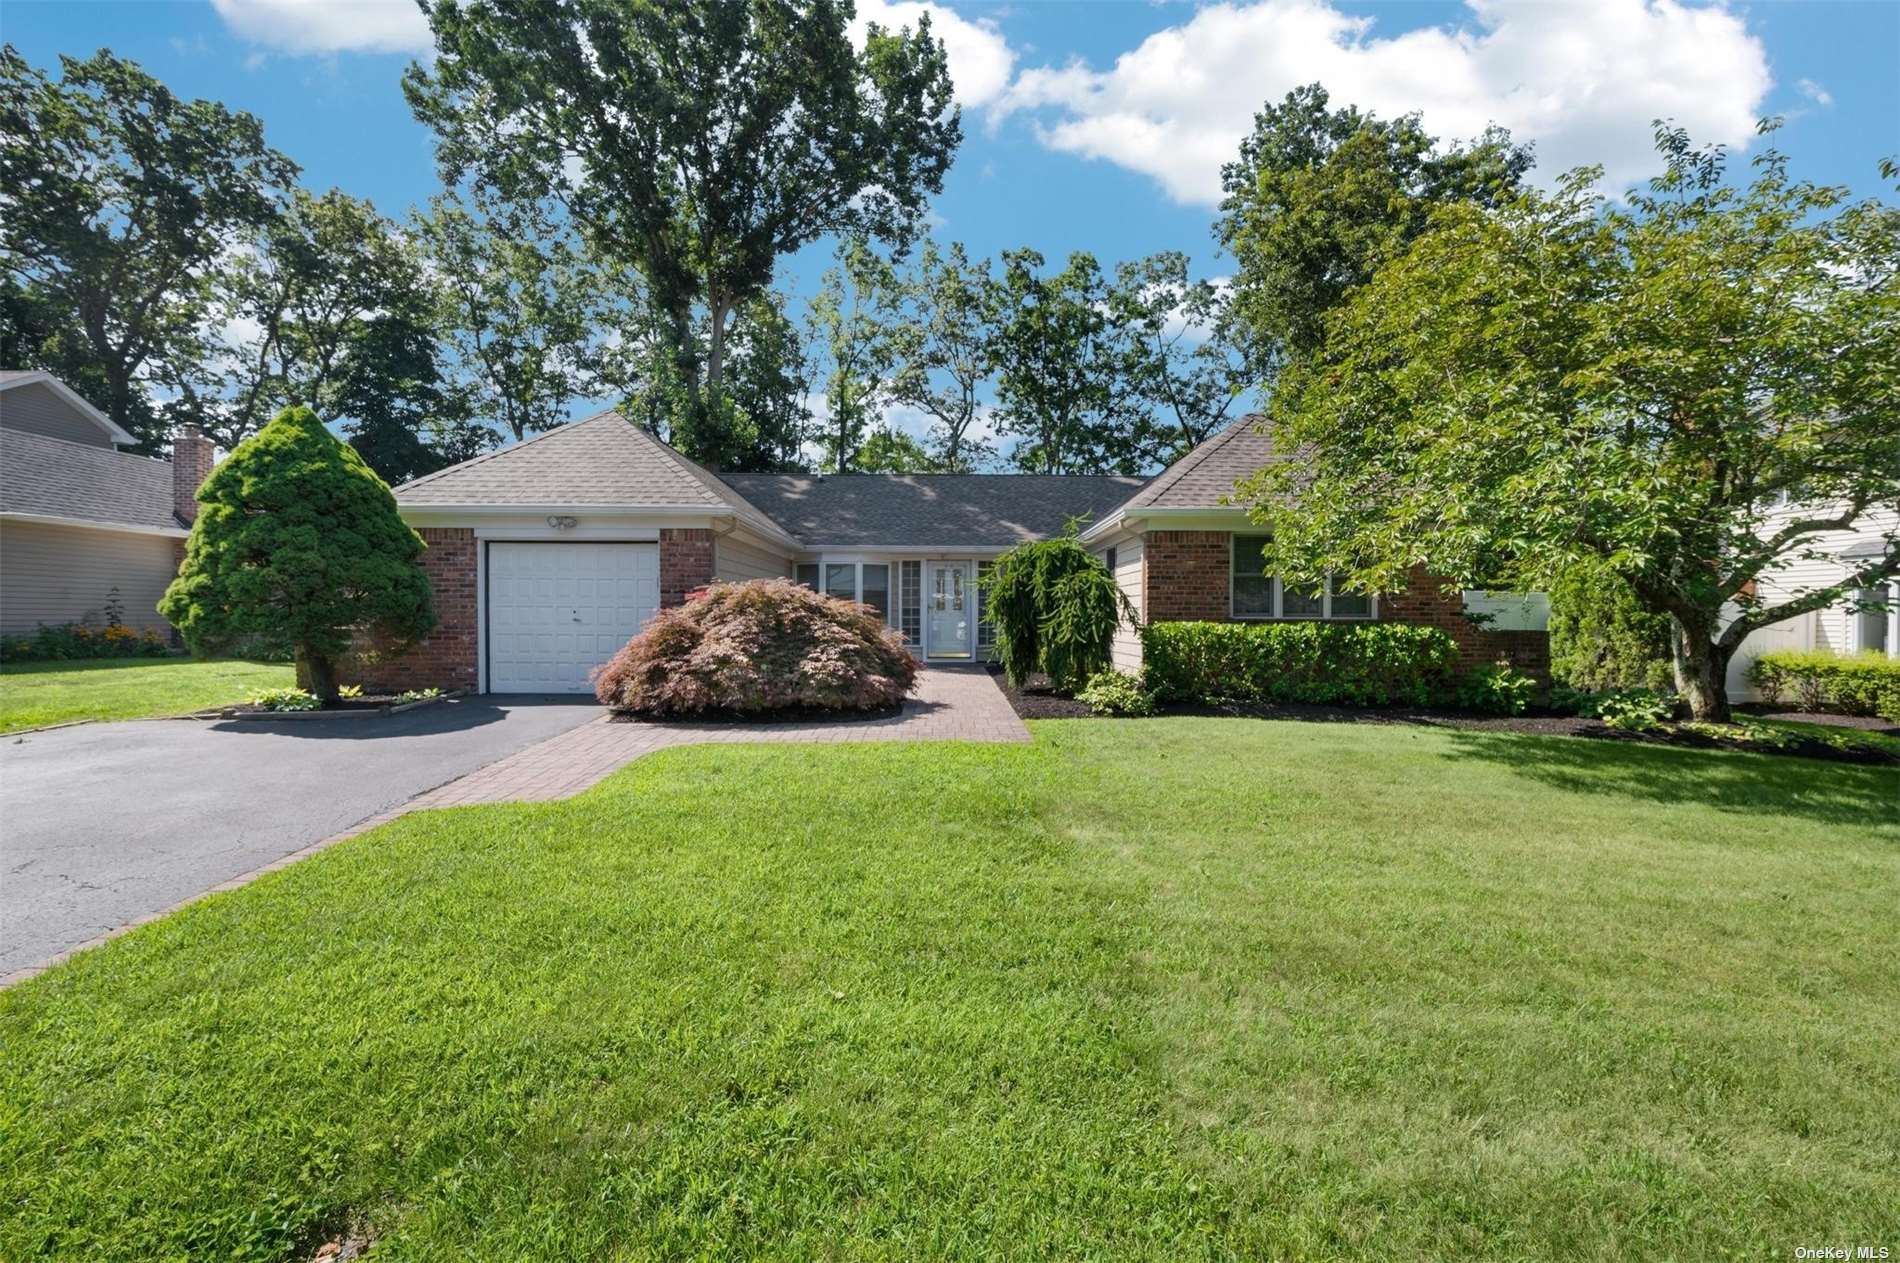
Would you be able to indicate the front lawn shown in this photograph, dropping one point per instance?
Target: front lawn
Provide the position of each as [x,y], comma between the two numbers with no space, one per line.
[35,694]
[1189,988]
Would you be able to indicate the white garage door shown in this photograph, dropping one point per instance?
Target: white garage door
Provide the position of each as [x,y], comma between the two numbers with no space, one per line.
[557,611]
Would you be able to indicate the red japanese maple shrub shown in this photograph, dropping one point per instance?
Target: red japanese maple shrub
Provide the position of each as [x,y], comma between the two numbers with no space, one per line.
[766,645]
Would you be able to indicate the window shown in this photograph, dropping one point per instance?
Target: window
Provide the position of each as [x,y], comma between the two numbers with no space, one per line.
[1257,594]
[877,589]
[841,580]
[910,600]
[985,629]
[1253,588]
[1108,559]
[807,573]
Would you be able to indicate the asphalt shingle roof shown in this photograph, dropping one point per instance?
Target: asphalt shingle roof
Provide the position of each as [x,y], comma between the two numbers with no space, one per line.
[1205,477]
[604,460]
[936,510]
[60,479]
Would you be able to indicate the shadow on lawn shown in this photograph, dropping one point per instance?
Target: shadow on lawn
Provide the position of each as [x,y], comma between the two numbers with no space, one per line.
[455,715]
[1830,792]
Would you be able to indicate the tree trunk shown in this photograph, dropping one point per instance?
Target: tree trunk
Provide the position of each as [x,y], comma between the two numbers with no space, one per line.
[317,673]
[1701,667]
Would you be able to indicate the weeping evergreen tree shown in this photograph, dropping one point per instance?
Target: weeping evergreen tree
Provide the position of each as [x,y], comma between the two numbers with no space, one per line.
[1055,609]
[298,547]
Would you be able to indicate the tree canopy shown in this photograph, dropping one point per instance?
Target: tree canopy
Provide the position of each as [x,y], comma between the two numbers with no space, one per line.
[695,142]
[1642,385]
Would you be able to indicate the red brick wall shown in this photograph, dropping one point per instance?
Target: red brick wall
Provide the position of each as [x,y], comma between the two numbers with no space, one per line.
[193,456]
[448,657]
[686,562]
[1185,579]
[1184,576]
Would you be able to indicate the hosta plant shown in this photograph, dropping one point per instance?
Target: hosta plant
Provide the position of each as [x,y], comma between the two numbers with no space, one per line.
[766,645]
[286,699]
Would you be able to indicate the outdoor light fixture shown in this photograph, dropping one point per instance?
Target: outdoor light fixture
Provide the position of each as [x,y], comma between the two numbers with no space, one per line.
[562,523]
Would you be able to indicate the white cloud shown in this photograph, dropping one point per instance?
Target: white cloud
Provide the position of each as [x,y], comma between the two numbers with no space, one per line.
[1814,92]
[1582,78]
[329,26]
[981,60]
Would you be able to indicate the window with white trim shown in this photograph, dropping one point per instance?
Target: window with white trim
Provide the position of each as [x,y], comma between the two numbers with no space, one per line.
[1254,594]
[910,601]
[985,629]
[875,585]
[807,574]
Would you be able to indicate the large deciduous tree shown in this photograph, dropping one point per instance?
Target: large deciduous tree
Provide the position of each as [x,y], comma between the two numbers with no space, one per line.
[946,348]
[1634,385]
[851,322]
[119,206]
[1320,197]
[299,546]
[1182,362]
[696,142]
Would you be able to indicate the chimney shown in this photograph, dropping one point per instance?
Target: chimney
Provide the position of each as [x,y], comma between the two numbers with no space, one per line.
[193,455]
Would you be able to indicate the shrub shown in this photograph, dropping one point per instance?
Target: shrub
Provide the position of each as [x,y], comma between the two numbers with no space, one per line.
[298,545]
[1635,710]
[1116,693]
[1055,609]
[1367,664]
[1497,690]
[1601,637]
[286,699]
[765,645]
[418,695]
[1859,684]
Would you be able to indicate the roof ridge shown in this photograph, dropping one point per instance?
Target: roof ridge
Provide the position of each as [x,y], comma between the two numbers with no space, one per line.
[472,461]
[1193,460]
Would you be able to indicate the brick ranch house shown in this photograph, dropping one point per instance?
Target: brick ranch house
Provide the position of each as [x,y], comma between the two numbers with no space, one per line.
[547,556]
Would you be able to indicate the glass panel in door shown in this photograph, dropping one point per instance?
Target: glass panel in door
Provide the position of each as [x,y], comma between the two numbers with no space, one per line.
[950,616]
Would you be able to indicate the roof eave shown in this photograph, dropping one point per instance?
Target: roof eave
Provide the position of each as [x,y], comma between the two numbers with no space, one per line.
[120,437]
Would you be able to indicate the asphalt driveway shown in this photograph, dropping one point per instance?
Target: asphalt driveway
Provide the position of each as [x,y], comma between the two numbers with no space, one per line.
[103,823]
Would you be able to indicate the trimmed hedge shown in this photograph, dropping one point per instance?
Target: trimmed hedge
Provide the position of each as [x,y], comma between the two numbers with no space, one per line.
[1859,684]
[1361,664]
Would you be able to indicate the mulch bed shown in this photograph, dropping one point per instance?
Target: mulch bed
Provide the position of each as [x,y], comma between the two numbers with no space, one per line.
[786,715]
[342,703]
[1037,701]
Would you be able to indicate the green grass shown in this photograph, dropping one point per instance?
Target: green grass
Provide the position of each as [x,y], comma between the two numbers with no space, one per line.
[35,694]
[1190,988]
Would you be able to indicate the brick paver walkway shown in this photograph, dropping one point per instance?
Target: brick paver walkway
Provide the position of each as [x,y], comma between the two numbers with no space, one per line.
[952,704]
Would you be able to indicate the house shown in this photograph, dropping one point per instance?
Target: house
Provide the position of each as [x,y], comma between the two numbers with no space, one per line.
[1870,624]
[546,556]
[83,524]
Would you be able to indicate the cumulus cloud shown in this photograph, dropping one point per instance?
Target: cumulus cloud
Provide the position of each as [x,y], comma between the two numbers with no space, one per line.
[329,26]
[1583,79]
[981,60]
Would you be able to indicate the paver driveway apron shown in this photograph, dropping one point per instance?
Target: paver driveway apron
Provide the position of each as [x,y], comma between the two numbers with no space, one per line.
[103,824]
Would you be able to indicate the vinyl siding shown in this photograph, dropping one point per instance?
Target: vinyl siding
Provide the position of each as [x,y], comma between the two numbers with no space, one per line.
[1126,653]
[735,562]
[60,574]
[35,409]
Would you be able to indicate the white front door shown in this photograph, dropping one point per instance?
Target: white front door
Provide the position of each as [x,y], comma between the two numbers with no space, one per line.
[558,610]
[949,610]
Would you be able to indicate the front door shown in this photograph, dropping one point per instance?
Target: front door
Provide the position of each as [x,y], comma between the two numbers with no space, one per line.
[949,610]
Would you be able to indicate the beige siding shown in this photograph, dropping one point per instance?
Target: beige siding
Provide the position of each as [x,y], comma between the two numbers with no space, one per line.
[735,562]
[35,409]
[1126,654]
[60,574]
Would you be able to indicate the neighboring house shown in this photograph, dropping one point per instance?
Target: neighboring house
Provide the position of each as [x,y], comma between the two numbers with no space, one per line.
[82,523]
[547,556]
[1874,626]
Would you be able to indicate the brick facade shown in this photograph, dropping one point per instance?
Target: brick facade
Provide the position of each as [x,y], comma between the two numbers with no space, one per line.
[448,657]
[1185,579]
[686,562]
[193,456]
[1184,576]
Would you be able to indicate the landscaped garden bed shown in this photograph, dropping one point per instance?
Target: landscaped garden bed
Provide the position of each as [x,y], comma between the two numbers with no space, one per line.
[295,703]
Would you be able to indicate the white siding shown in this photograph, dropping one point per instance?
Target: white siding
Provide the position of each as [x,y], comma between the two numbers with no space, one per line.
[35,409]
[61,574]
[735,562]
[1833,628]
[1126,654]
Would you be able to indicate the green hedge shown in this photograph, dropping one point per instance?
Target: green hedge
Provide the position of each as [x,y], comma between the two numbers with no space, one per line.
[1363,664]
[1860,684]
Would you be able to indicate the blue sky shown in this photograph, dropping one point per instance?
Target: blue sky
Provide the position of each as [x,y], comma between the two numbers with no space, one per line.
[1101,126]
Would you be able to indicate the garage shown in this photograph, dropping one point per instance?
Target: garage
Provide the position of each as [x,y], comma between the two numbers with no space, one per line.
[557,610]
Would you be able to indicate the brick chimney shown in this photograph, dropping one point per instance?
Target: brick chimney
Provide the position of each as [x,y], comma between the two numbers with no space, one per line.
[193,455]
